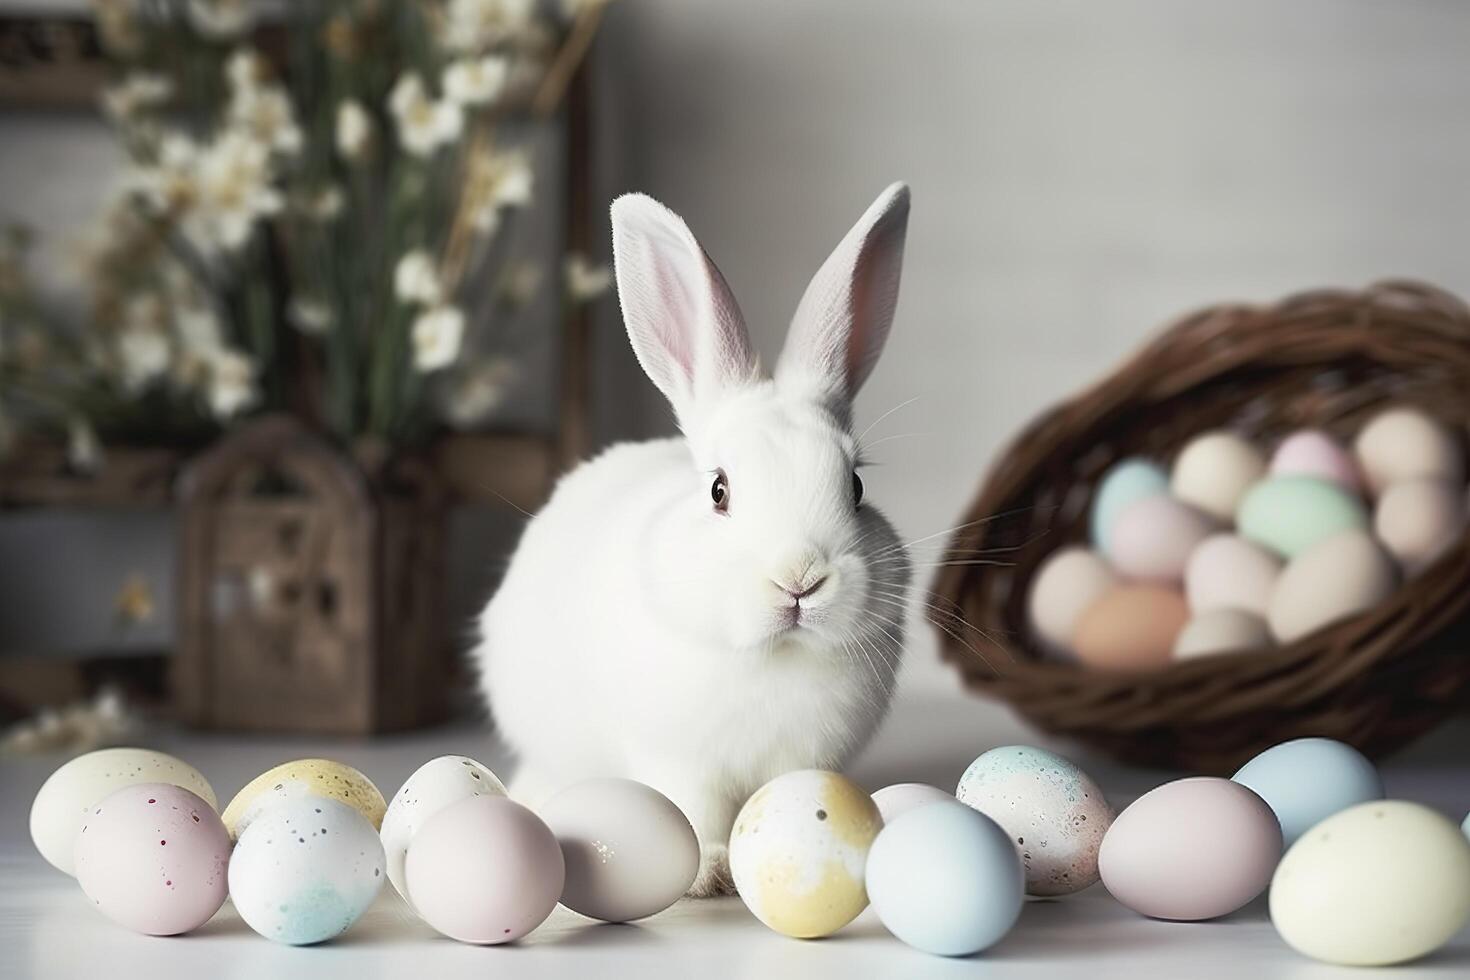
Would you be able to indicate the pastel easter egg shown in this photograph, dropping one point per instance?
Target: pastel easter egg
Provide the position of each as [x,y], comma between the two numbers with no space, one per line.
[945,879]
[152,857]
[1222,631]
[1131,628]
[629,851]
[1152,538]
[799,849]
[1306,780]
[1192,849]
[1065,584]
[304,777]
[900,798]
[72,792]
[1312,452]
[1376,884]
[306,870]
[1341,577]
[1214,471]
[1124,483]
[1407,444]
[1419,520]
[1051,810]
[1289,514]
[1228,572]
[485,870]
[433,786]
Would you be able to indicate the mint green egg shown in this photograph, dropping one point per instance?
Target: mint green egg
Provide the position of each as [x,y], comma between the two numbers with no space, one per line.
[1289,514]
[1125,482]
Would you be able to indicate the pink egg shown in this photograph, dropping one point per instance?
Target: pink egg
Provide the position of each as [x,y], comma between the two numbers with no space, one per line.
[485,870]
[1153,537]
[1312,452]
[152,857]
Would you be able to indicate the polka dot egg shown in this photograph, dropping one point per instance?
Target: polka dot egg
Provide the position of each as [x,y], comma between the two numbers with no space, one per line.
[321,778]
[799,849]
[1052,810]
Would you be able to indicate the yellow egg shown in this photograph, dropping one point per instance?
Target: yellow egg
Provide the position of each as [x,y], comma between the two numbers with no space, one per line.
[304,777]
[799,849]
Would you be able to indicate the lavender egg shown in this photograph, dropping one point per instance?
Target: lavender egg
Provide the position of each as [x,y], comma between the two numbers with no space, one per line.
[1053,812]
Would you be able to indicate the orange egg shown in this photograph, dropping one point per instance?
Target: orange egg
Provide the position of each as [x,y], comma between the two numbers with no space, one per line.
[1132,628]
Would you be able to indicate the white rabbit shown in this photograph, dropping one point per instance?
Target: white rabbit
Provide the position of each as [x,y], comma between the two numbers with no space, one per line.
[705,613]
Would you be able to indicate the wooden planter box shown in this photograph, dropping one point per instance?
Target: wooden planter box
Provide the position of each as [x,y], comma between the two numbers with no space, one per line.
[310,591]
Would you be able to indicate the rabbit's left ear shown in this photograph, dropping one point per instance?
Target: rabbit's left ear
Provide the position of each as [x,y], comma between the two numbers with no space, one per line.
[843,319]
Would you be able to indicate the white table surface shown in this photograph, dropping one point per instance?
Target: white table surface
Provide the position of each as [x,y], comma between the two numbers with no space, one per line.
[48,930]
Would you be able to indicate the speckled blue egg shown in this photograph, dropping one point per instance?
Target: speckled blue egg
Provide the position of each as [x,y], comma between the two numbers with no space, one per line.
[1307,780]
[306,870]
[945,879]
[1126,482]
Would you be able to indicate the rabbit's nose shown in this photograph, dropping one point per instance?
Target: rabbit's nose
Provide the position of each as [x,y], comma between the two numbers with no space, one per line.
[800,591]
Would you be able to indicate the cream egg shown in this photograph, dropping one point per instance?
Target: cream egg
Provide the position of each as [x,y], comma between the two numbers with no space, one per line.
[1214,471]
[799,849]
[304,777]
[1419,520]
[433,786]
[900,798]
[1228,572]
[1131,628]
[1222,631]
[1407,444]
[1153,537]
[306,870]
[1312,452]
[72,791]
[1066,583]
[1051,810]
[152,857]
[1376,884]
[629,851]
[1343,576]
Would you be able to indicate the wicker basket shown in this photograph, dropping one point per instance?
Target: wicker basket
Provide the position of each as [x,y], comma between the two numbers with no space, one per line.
[1324,359]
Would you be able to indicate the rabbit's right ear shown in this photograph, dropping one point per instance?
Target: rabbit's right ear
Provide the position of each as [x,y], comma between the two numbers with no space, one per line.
[682,320]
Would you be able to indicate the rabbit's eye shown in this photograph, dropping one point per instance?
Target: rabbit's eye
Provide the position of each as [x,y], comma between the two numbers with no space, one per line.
[720,492]
[857,489]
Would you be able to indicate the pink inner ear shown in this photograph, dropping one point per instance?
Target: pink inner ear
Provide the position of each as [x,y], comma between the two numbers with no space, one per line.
[873,298]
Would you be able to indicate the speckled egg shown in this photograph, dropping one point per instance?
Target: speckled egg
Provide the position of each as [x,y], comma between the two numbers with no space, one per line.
[1306,780]
[152,857]
[1153,538]
[1376,884]
[485,870]
[1196,848]
[629,851]
[1052,811]
[1290,514]
[1126,481]
[304,777]
[945,879]
[1407,444]
[305,870]
[1214,470]
[900,798]
[72,791]
[1064,585]
[798,851]
[1419,520]
[1228,572]
[433,786]
[1312,452]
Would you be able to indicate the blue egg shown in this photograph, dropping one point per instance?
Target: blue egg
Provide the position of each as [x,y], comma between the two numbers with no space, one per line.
[1124,483]
[1307,780]
[945,879]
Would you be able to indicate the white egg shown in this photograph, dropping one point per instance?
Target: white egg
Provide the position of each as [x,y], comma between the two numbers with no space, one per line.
[1419,520]
[1221,631]
[435,785]
[1214,471]
[65,798]
[1228,572]
[1342,576]
[1407,444]
[900,798]
[1065,584]
[305,870]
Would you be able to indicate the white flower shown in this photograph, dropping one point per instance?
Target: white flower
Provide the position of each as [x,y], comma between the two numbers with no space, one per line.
[415,280]
[265,112]
[473,25]
[474,81]
[475,391]
[424,124]
[436,337]
[221,19]
[493,181]
[231,383]
[245,69]
[234,192]
[137,91]
[199,329]
[83,451]
[586,281]
[144,353]
[117,26]
[310,316]
[354,129]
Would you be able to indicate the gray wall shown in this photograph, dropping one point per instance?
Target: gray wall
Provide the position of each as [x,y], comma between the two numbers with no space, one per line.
[1082,173]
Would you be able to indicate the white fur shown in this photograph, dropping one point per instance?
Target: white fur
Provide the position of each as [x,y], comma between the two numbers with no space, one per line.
[639,632]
